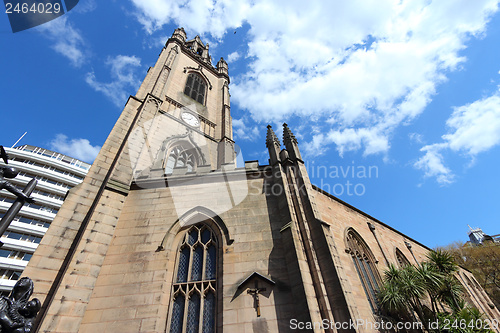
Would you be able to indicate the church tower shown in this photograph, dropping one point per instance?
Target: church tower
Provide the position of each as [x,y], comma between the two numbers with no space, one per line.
[173,136]
[168,233]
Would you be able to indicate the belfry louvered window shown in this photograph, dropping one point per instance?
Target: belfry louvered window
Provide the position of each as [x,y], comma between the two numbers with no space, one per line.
[194,298]
[195,88]
[178,158]
[364,262]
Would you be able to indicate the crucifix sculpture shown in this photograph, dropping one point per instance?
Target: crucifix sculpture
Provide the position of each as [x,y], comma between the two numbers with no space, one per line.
[255,293]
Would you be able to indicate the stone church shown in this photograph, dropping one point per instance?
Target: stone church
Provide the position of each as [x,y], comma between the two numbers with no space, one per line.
[170,232]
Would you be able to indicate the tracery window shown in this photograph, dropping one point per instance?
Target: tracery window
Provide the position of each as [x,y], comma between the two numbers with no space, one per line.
[178,158]
[194,289]
[195,88]
[364,261]
[402,260]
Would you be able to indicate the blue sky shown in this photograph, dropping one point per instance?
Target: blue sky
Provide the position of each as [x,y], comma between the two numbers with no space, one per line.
[406,89]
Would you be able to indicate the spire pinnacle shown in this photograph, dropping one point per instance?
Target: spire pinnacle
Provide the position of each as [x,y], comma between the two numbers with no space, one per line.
[222,66]
[271,138]
[180,35]
[273,145]
[291,143]
[288,135]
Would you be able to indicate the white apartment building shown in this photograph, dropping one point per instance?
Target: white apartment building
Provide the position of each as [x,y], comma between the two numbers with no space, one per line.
[56,174]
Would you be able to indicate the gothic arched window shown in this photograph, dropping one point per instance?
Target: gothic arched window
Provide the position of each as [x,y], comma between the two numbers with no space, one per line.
[364,261]
[402,260]
[194,297]
[180,157]
[195,88]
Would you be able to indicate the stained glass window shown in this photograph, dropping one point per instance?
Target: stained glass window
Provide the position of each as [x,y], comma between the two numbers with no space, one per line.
[196,277]
[205,236]
[193,315]
[182,272]
[364,262]
[177,314]
[192,236]
[209,313]
[210,266]
[195,88]
[197,267]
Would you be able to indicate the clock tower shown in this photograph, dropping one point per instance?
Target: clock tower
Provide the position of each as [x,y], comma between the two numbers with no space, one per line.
[187,110]
[174,136]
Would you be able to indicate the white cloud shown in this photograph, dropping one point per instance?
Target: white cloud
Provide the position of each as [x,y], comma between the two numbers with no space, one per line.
[372,65]
[472,129]
[416,137]
[232,57]
[123,72]
[213,17]
[475,127]
[67,39]
[77,148]
[243,131]
[433,166]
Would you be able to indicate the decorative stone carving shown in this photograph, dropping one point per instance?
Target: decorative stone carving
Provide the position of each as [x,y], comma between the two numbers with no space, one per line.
[222,66]
[154,101]
[180,35]
[160,83]
[171,56]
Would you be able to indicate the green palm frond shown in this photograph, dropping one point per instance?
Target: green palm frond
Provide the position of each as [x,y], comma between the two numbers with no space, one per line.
[443,261]
[391,298]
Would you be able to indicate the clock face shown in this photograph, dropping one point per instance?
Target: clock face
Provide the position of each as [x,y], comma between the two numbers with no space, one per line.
[190,119]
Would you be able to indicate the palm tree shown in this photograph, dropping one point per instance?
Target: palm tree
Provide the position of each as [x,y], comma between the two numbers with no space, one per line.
[443,261]
[465,319]
[406,291]
[402,293]
[433,282]
[450,290]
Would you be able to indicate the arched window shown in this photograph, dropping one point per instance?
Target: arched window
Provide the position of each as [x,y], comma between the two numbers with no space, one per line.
[193,304]
[195,88]
[180,157]
[401,258]
[364,261]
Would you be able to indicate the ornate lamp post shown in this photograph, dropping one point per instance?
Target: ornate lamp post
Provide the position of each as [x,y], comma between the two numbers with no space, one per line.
[17,312]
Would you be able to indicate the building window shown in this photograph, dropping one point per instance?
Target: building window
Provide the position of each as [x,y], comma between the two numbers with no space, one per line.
[364,262]
[178,158]
[31,221]
[195,88]
[8,274]
[402,260]
[22,236]
[194,297]
[13,254]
